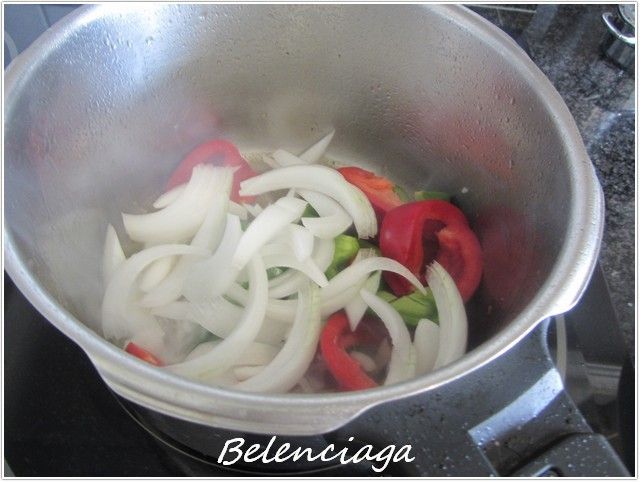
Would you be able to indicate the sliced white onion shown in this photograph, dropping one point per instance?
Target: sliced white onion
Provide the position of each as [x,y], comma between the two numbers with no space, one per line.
[297,239]
[220,317]
[232,349]
[314,153]
[258,354]
[301,241]
[358,270]
[327,227]
[321,203]
[322,179]
[322,254]
[208,236]
[201,349]
[365,361]
[113,256]
[291,363]
[451,314]
[156,272]
[239,210]
[357,307]
[425,342]
[335,301]
[169,197]
[265,227]
[121,318]
[180,220]
[341,289]
[278,310]
[245,372]
[286,284]
[333,220]
[253,209]
[284,159]
[402,365]
[213,276]
[308,267]
[290,282]
[211,231]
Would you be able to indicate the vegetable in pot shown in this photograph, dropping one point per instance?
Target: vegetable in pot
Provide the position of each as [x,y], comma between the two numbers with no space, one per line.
[379,190]
[413,307]
[346,249]
[402,236]
[218,152]
[277,296]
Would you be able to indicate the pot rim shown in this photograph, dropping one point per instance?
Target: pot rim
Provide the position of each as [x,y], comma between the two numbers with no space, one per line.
[296,413]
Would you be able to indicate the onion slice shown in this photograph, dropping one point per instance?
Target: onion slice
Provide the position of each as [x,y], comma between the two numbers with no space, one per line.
[213,276]
[337,294]
[357,307]
[451,314]
[156,272]
[121,319]
[284,159]
[265,227]
[298,239]
[290,282]
[253,209]
[314,153]
[181,219]
[358,270]
[322,179]
[402,365]
[232,349]
[247,371]
[277,310]
[169,197]
[113,256]
[208,236]
[258,354]
[307,267]
[333,219]
[425,342]
[292,362]
[366,362]
[220,317]
[239,210]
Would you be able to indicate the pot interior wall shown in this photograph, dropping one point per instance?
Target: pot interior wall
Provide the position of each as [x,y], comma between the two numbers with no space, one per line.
[98,123]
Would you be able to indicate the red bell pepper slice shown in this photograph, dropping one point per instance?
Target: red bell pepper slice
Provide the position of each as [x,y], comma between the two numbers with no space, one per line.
[408,233]
[143,354]
[219,153]
[378,190]
[335,339]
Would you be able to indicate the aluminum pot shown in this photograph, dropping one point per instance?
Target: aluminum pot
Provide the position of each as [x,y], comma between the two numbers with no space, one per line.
[102,106]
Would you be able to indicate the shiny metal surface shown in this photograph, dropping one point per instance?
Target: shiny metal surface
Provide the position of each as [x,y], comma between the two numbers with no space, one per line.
[100,108]
[619,44]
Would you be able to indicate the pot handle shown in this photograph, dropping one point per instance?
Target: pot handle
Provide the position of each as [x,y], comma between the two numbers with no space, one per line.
[509,417]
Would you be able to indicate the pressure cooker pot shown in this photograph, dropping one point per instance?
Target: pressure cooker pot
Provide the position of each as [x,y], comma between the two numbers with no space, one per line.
[99,110]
